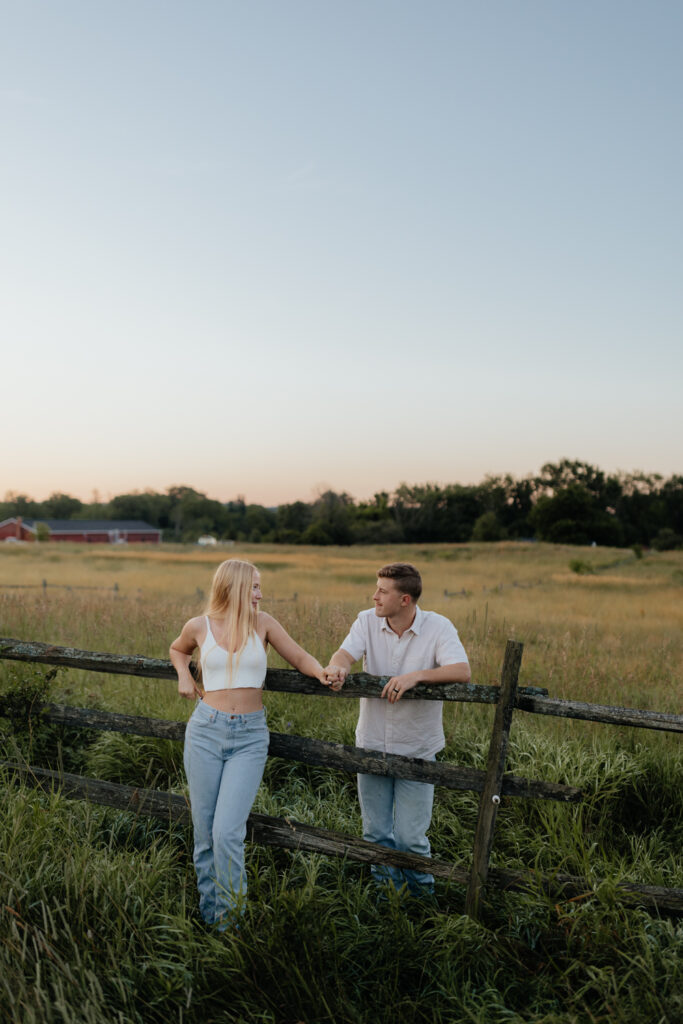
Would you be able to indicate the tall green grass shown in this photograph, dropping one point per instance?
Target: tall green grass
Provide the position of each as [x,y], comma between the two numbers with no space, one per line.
[99,923]
[98,910]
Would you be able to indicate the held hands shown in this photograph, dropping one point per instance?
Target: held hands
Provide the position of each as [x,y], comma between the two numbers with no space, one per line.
[335,676]
[398,685]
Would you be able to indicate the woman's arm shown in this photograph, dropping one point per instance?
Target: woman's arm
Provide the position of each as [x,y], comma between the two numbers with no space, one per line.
[290,650]
[180,653]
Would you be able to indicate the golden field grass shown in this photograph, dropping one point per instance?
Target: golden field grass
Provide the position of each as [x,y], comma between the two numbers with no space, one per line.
[613,636]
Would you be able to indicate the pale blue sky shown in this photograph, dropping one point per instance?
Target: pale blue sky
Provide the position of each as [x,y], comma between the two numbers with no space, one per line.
[263,247]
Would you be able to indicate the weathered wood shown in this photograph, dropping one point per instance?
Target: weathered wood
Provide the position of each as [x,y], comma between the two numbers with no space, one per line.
[360,684]
[154,803]
[57,586]
[297,836]
[634,717]
[373,762]
[89,661]
[318,752]
[293,835]
[650,897]
[532,699]
[490,797]
[108,721]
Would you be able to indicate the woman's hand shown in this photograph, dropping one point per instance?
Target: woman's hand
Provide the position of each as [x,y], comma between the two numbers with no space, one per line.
[180,653]
[188,688]
[321,676]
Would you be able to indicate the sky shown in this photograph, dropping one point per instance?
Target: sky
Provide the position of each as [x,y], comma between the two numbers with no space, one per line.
[270,247]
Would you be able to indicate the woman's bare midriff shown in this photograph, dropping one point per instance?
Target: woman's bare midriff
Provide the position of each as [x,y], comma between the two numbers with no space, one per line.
[239,701]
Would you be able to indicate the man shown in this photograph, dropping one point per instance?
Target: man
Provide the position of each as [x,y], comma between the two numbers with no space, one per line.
[411,646]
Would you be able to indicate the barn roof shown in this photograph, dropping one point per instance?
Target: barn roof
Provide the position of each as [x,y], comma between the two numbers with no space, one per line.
[92,525]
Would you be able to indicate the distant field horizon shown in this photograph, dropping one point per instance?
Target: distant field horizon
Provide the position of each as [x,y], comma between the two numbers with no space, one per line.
[599,599]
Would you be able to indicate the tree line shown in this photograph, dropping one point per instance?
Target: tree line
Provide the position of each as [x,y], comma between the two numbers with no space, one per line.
[569,502]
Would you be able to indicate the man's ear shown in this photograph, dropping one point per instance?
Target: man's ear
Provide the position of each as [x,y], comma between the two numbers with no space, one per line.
[405,600]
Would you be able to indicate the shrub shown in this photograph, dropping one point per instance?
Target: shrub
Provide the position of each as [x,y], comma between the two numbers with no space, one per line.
[487,527]
[42,531]
[667,540]
[582,568]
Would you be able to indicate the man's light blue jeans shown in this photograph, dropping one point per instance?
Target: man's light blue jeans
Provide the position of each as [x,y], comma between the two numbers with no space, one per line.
[397,813]
[224,760]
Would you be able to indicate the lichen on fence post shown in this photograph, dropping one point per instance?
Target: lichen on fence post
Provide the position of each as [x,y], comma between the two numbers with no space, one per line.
[490,797]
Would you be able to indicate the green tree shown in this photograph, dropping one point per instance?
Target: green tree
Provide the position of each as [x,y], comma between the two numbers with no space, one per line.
[19,505]
[62,506]
[560,476]
[291,522]
[332,518]
[640,507]
[259,523]
[374,522]
[672,495]
[512,501]
[150,506]
[42,532]
[186,506]
[487,527]
[418,509]
[667,540]
[574,516]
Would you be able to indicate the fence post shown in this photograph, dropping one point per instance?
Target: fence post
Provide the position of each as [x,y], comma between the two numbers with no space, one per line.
[490,797]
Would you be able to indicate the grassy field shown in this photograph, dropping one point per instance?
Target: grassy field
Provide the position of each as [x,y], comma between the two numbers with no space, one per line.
[99,921]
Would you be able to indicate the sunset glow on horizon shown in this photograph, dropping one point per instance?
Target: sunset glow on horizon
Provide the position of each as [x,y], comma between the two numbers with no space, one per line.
[267,250]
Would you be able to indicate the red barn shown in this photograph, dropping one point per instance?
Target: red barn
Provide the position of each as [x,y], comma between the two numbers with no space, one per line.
[83,531]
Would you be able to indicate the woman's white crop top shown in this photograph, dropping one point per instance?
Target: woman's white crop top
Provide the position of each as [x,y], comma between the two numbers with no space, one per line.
[248,671]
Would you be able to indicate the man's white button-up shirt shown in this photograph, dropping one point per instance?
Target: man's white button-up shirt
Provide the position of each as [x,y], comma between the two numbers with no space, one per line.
[410,727]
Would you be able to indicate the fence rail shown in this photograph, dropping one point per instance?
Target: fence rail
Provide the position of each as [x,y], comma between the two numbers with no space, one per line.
[491,783]
[533,699]
[56,586]
[318,752]
[295,835]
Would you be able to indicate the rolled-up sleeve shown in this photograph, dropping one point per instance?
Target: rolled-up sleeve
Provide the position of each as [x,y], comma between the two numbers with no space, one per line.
[355,642]
[449,650]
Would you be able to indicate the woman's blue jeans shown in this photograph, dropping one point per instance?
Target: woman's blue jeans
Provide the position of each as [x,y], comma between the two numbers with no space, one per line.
[397,813]
[224,760]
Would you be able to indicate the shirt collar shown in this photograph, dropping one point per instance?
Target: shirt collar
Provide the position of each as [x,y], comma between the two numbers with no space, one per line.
[416,625]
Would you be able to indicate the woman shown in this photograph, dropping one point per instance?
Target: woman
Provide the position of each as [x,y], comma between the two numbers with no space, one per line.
[226,740]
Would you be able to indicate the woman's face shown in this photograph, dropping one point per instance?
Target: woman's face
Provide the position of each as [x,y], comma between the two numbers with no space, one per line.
[256,589]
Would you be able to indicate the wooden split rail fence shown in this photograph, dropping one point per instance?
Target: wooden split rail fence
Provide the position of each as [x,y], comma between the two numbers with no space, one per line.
[493,783]
[54,586]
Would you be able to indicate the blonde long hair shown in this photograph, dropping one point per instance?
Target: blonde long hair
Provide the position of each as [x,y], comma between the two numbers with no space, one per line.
[230,601]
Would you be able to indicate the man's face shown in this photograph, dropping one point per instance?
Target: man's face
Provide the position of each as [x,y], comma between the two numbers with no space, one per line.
[388,599]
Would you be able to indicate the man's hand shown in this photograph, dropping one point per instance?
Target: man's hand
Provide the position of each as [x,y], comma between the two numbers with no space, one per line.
[398,685]
[335,676]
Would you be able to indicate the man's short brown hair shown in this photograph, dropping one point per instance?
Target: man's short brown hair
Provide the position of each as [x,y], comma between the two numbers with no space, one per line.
[405,576]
